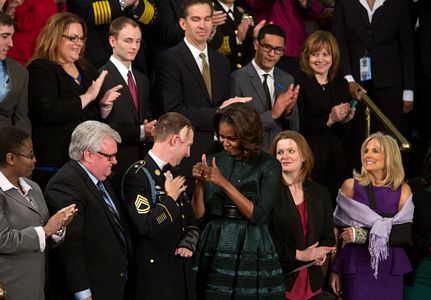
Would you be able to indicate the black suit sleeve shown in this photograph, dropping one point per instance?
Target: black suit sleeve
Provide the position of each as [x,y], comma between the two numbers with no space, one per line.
[71,252]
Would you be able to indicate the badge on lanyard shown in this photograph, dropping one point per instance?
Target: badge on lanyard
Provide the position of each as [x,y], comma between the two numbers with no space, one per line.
[365,68]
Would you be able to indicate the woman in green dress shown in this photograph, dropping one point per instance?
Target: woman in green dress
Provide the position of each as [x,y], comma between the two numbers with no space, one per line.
[234,195]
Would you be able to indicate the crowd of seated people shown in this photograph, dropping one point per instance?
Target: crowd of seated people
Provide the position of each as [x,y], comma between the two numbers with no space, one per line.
[234,70]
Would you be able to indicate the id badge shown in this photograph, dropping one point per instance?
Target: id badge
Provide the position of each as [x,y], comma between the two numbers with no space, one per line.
[365,68]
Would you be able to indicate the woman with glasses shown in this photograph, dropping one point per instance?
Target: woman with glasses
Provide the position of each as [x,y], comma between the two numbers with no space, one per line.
[63,89]
[324,109]
[234,193]
[301,224]
[25,226]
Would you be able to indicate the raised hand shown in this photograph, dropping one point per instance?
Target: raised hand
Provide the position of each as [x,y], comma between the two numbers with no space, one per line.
[235,100]
[60,219]
[149,128]
[338,113]
[174,186]
[198,169]
[93,90]
[285,101]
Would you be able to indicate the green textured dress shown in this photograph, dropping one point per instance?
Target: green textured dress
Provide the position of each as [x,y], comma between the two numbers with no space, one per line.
[236,258]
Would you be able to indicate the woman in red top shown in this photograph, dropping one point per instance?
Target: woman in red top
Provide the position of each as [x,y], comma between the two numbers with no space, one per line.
[301,226]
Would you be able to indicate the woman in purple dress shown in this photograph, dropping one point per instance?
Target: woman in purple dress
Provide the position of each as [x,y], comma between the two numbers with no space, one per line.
[375,210]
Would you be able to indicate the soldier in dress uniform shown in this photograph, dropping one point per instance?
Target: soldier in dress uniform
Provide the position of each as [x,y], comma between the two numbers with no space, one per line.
[165,231]
[236,32]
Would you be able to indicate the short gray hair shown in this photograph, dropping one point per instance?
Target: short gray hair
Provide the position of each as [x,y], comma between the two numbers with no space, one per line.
[89,135]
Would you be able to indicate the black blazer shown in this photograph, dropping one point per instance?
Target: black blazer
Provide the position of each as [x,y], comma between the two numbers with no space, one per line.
[125,119]
[160,225]
[93,254]
[181,88]
[387,39]
[287,234]
[421,228]
[55,109]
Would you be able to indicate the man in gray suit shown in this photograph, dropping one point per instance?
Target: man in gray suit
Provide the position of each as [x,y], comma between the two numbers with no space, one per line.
[272,90]
[13,81]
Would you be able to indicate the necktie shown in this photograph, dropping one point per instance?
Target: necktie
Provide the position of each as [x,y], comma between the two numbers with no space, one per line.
[133,90]
[266,89]
[230,14]
[112,208]
[206,73]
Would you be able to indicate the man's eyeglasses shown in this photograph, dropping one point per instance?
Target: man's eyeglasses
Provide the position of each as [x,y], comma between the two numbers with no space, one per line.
[109,157]
[29,156]
[74,38]
[268,48]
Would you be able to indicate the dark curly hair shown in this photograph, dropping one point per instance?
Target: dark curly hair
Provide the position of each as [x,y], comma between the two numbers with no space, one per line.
[246,122]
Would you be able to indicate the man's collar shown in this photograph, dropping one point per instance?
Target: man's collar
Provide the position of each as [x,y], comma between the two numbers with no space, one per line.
[260,71]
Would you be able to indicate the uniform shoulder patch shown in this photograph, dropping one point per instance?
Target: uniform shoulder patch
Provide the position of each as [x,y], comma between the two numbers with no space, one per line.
[142,205]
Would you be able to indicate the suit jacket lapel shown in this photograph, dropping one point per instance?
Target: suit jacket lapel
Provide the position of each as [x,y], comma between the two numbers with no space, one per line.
[99,198]
[257,84]
[379,13]
[299,233]
[363,14]
[16,195]
[127,96]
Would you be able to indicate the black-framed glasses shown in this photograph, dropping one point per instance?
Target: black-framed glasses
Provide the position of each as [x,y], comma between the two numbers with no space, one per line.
[109,157]
[74,38]
[268,48]
[29,156]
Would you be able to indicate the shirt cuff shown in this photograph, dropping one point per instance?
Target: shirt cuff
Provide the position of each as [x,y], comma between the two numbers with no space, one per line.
[408,95]
[83,294]
[349,78]
[42,239]
[142,133]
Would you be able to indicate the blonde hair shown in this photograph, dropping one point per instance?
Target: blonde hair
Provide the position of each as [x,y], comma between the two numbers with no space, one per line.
[393,167]
[50,37]
[315,42]
[303,148]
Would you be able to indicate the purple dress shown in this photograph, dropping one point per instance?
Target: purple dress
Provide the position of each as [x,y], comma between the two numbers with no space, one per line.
[353,261]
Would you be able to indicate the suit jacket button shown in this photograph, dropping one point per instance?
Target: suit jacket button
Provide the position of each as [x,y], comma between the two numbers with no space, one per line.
[151,261]
[239,54]
[122,274]
[239,66]
[182,216]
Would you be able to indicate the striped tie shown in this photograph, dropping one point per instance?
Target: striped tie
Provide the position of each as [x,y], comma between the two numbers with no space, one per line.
[112,208]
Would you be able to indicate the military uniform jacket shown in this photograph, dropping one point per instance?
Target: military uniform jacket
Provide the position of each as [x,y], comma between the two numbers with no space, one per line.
[161,225]
[238,54]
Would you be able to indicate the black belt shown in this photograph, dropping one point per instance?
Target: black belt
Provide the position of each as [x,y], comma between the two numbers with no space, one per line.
[232,212]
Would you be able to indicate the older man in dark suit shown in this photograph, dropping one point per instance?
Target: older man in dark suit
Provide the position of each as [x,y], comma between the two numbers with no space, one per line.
[193,79]
[272,91]
[129,114]
[92,263]
[13,81]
